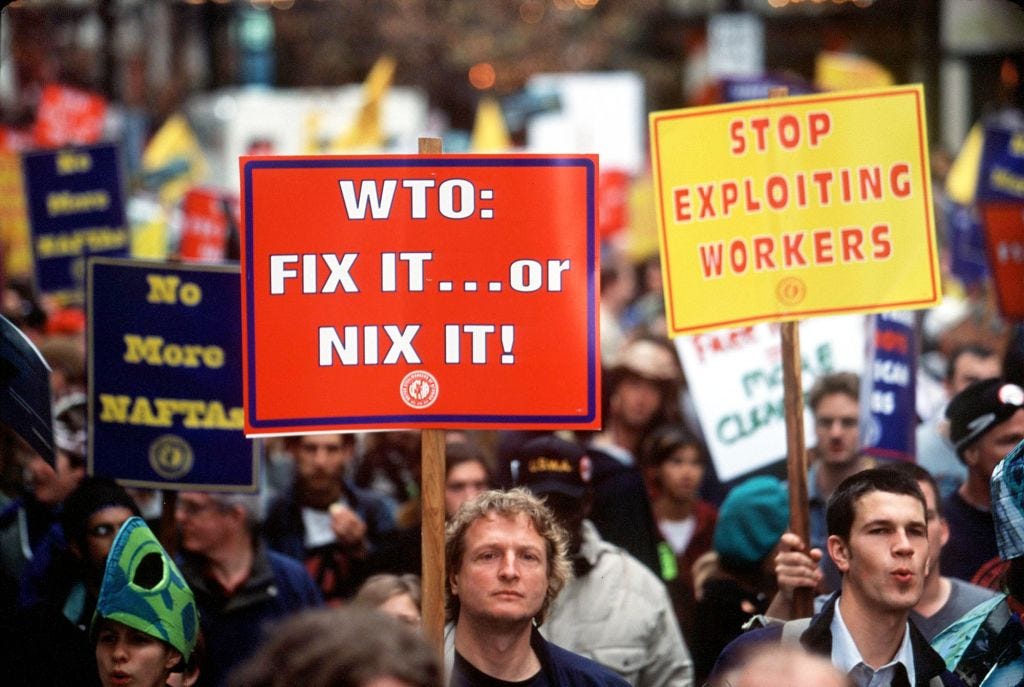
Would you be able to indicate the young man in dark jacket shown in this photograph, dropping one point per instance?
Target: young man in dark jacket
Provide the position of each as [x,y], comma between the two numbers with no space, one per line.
[878,538]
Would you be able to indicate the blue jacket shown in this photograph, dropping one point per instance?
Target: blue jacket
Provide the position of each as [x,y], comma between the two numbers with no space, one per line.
[234,626]
[560,667]
[284,531]
[929,668]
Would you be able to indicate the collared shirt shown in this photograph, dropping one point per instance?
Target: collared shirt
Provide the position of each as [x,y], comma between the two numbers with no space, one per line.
[847,658]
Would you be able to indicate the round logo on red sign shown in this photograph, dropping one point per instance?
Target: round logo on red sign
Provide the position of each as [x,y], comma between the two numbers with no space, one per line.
[419,389]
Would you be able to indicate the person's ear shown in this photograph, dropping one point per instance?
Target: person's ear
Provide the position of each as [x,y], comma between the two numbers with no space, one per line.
[453,584]
[173,658]
[944,537]
[840,553]
[971,456]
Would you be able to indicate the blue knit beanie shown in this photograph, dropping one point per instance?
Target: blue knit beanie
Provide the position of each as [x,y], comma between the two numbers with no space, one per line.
[753,516]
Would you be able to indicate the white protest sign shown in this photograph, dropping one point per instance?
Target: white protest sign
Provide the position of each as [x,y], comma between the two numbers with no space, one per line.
[735,378]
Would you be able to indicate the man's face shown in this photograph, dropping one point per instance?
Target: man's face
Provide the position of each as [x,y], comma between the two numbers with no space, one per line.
[885,560]
[970,368]
[681,473]
[100,529]
[463,482]
[203,523]
[503,576]
[938,529]
[51,485]
[635,401]
[320,461]
[836,427]
[984,454]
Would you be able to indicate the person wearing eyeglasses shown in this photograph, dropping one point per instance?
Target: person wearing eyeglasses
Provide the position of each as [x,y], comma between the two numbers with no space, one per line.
[834,401]
[986,421]
[242,587]
[60,587]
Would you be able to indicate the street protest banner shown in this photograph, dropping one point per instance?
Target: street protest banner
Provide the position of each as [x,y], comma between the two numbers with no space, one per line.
[165,376]
[1001,168]
[15,255]
[25,390]
[209,217]
[430,292]
[68,116]
[788,208]
[1004,229]
[76,209]
[888,387]
[736,381]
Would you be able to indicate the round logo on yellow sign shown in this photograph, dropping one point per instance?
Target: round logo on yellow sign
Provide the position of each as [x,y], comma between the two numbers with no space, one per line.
[170,456]
[790,290]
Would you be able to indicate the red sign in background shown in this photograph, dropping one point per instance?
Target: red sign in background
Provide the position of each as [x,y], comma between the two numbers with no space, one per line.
[445,291]
[1004,241]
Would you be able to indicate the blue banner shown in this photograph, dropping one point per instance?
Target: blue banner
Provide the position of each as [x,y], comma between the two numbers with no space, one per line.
[75,202]
[165,376]
[888,385]
[1001,170]
[966,239]
[736,89]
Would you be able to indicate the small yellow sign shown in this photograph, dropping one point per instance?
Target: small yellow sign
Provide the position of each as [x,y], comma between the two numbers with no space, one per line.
[788,208]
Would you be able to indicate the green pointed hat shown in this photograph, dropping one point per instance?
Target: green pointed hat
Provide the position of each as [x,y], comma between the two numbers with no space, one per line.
[143,589]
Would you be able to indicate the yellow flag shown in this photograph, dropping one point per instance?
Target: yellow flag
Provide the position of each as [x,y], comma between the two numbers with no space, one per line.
[490,135]
[836,71]
[366,131]
[174,156]
[962,179]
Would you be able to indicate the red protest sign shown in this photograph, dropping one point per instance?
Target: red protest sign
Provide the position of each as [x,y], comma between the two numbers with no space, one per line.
[68,116]
[429,292]
[1004,241]
[205,225]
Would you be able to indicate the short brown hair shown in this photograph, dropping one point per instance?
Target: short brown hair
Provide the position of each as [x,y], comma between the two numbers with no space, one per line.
[847,383]
[506,504]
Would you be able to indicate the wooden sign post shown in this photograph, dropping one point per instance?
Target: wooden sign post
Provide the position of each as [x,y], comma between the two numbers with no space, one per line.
[432,470]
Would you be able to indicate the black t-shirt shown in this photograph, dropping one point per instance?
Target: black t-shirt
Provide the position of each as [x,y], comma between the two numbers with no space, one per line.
[465,674]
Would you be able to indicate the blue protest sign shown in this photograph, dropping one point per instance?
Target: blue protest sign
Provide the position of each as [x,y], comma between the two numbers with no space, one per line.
[966,241]
[1001,170]
[165,376]
[75,204]
[888,386]
[25,390]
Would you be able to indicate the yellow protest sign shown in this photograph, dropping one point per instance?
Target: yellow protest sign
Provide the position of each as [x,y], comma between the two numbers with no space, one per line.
[782,209]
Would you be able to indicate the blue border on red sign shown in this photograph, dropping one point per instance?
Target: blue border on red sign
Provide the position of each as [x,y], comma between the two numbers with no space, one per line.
[419,419]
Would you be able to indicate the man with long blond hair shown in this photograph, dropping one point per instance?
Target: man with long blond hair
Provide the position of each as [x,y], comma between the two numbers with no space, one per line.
[505,557]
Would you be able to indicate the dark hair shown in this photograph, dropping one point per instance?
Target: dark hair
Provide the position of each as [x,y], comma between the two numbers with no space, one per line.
[842,505]
[90,496]
[847,383]
[340,647]
[664,440]
[919,474]
[459,452]
[348,439]
[975,349]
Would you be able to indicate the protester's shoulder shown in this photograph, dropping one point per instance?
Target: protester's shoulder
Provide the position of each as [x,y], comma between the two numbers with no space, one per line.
[970,594]
[290,572]
[581,670]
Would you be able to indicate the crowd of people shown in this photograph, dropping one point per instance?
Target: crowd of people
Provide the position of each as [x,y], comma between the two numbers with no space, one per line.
[581,558]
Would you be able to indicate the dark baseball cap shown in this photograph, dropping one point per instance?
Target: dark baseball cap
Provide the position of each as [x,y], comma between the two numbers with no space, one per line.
[979,408]
[551,465]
